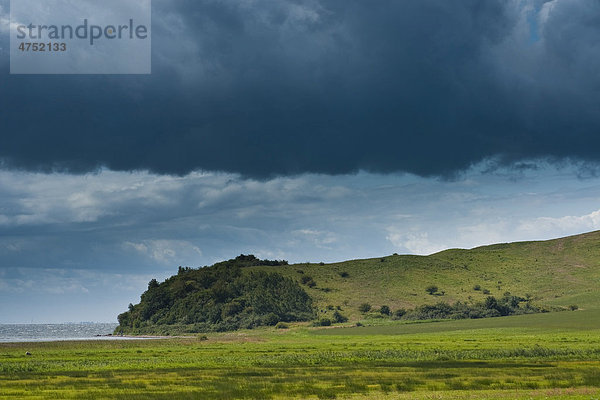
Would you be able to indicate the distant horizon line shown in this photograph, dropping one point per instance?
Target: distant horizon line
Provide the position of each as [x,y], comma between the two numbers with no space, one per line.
[56,323]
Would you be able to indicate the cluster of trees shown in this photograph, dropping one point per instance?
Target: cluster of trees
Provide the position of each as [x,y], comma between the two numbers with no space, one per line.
[250,261]
[491,307]
[218,298]
[308,281]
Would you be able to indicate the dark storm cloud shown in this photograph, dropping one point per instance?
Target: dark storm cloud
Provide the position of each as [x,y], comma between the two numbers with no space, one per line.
[283,87]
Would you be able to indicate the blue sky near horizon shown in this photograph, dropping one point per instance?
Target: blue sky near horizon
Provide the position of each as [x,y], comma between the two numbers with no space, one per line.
[306,130]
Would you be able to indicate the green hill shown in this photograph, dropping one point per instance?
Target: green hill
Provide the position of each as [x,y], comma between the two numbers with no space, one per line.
[222,297]
[560,272]
[554,273]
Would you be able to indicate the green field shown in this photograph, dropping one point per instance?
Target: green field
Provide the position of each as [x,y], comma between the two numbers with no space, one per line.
[554,355]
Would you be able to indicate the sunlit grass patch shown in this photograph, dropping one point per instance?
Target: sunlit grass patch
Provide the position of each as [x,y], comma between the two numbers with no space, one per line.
[495,362]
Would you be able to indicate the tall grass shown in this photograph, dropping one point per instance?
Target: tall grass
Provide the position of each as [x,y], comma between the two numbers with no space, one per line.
[529,361]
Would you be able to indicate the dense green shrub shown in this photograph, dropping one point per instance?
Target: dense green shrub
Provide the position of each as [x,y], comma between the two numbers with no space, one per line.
[431,289]
[308,281]
[271,319]
[339,318]
[364,308]
[322,322]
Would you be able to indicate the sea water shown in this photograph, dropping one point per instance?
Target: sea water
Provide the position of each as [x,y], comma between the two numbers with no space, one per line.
[56,332]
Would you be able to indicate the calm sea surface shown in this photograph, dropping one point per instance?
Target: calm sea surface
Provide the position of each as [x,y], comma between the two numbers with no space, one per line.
[54,332]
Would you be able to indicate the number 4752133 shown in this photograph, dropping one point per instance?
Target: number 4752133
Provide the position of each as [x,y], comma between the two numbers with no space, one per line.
[50,46]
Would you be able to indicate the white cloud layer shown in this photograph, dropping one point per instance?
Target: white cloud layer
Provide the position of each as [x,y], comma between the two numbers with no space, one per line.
[84,236]
[167,252]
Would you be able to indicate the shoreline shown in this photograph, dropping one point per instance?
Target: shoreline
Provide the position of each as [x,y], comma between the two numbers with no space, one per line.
[100,338]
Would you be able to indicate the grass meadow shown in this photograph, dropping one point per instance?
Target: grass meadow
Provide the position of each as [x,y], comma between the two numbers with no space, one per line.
[554,355]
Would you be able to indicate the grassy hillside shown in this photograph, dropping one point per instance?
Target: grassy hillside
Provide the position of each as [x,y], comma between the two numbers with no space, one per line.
[559,272]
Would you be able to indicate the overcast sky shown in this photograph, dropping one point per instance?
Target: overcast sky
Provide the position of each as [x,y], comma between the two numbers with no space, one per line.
[308,130]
